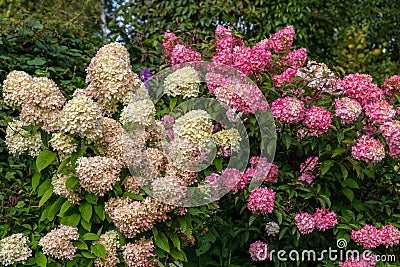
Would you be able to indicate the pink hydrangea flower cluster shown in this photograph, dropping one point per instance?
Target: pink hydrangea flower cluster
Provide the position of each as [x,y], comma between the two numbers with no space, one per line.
[369,237]
[261,200]
[262,170]
[391,86]
[168,120]
[379,112]
[359,262]
[169,42]
[243,181]
[322,220]
[391,132]
[281,40]
[360,87]
[347,109]
[307,168]
[295,59]
[258,251]
[305,222]
[181,54]
[368,149]
[288,110]
[285,77]
[325,219]
[58,243]
[318,120]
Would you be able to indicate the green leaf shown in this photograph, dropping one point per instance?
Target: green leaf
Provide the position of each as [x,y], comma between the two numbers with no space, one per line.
[73,220]
[99,210]
[40,259]
[162,242]
[218,164]
[35,180]
[172,103]
[44,186]
[326,166]
[37,61]
[348,193]
[71,182]
[90,236]
[350,183]
[175,240]
[79,244]
[44,159]
[179,255]
[86,225]
[86,210]
[65,207]
[287,140]
[55,208]
[98,250]
[91,198]
[46,196]
[88,255]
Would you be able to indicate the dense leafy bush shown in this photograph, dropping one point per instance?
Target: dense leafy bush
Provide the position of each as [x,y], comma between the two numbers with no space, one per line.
[334,176]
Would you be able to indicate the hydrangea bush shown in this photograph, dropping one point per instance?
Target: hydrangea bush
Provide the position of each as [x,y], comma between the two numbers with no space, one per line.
[115,163]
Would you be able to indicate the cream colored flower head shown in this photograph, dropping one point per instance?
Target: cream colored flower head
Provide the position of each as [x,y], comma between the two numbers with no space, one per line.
[184,82]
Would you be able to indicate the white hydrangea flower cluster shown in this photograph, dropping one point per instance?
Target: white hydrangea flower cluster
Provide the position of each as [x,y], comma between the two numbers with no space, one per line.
[318,76]
[15,88]
[184,81]
[14,249]
[228,139]
[82,116]
[20,141]
[110,77]
[169,189]
[141,112]
[58,242]
[195,127]
[110,240]
[272,228]
[131,185]
[64,144]
[97,174]
[60,188]
[184,155]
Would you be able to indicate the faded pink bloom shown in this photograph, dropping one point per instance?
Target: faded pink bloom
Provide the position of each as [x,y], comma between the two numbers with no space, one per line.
[379,112]
[288,110]
[391,132]
[258,251]
[318,120]
[391,86]
[368,149]
[139,254]
[359,262]
[261,200]
[305,222]
[347,109]
[309,164]
[281,40]
[360,87]
[307,177]
[295,59]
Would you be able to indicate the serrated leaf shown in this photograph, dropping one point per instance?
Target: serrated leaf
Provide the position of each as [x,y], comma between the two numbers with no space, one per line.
[35,180]
[178,255]
[86,225]
[252,219]
[91,198]
[44,159]
[46,196]
[348,193]
[98,250]
[162,242]
[90,236]
[326,166]
[86,210]
[37,61]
